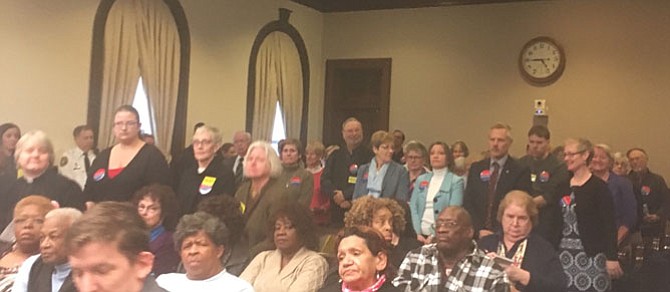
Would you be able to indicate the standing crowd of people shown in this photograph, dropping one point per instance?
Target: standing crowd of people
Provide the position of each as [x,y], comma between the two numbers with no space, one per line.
[388,216]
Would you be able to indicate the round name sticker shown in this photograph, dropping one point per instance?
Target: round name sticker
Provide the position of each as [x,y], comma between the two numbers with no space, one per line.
[99,174]
[423,184]
[485,175]
[205,189]
[544,176]
[353,169]
[295,181]
[646,190]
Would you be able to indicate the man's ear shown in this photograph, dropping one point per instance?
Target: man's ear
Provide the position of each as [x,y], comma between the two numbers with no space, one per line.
[143,265]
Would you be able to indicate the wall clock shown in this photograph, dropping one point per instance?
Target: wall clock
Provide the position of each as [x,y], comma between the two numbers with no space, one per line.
[541,61]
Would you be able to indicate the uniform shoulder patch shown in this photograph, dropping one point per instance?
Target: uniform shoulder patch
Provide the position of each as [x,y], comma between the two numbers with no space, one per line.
[63,161]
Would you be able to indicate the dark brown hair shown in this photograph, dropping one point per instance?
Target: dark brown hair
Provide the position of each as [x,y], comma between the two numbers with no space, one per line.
[163,195]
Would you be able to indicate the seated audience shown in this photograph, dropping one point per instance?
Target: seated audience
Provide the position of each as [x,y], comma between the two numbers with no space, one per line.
[415,157]
[388,217]
[621,165]
[207,176]
[35,156]
[108,250]
[299,183]
[382,177]
[157,206]
[621,189]
[588,245]
[229,211]
[453,262]
[202,240]
[293,265]
[75,162]
[28,220]
[534,262]
[119,171]
[362,254]
[49,270]
[435,191]
[260,192]
[320,202]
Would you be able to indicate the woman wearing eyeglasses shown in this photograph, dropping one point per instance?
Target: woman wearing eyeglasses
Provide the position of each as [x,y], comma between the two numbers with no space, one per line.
[119,171]
[588,247]
[208,177]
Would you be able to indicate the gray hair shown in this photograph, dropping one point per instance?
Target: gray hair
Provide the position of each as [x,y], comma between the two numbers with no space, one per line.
[34,138]
[70,214]
[217,138]
[190,225]
[272,158]
[608,151]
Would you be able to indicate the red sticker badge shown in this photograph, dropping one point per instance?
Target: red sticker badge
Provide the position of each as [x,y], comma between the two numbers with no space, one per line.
[485,175]
[99,174]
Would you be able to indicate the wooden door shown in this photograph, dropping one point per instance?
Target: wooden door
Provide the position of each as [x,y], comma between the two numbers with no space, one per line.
[359,88]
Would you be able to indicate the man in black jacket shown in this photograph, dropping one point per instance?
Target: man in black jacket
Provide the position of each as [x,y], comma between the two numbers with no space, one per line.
[491,178]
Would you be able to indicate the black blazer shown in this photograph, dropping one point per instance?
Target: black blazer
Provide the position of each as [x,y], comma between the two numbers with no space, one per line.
[595,216]
[513,176]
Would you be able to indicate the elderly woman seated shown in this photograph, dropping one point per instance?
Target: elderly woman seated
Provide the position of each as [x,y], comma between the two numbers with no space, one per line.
[362,254]
[534,262]
[29,216]
[293,265]
[388,217]
[201,239]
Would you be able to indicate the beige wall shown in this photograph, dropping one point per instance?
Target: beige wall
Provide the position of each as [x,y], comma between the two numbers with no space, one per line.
[456,67]
[46,59]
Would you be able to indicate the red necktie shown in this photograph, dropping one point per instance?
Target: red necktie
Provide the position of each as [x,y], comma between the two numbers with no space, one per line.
[491,196]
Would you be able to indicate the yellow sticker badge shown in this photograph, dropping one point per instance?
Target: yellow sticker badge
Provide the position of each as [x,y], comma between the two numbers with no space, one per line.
[207,184]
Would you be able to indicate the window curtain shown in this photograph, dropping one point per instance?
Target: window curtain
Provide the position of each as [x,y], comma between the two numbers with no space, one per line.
[278,79]
[141,38]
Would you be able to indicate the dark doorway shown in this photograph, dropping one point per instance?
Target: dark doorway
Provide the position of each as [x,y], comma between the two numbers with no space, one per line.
[359,88]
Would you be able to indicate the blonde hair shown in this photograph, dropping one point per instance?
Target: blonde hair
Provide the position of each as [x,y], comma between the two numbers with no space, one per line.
[521,199]
[38,138]
[272,158]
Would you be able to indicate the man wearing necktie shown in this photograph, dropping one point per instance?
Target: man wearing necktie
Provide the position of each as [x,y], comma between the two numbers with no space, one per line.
[241,142]
[491,178]
[74,162]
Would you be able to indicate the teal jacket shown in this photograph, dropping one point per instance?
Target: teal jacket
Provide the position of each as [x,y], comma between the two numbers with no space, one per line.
[450,194]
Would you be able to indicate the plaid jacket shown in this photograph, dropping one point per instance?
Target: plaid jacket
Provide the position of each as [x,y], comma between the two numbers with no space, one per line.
[420,271]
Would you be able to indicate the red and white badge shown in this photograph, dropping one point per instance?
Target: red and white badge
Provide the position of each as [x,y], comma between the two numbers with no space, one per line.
[99,174]
[544,176]
[485,175]
[646,190]
[423,184]
[295,181]
[353,169]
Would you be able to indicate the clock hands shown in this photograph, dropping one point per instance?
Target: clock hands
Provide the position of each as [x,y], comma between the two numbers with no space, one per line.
[541,60]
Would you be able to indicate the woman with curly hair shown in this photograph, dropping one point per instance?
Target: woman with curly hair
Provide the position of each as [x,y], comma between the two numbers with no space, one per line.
[388,217]
[293,265]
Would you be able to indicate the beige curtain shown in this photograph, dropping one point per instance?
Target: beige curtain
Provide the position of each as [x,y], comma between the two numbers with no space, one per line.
[121,69]
[159,48]
[278,78]
[141,38]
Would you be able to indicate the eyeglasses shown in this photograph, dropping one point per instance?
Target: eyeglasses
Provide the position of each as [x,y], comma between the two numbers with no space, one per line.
[127,124]
[413,157]
[445,224]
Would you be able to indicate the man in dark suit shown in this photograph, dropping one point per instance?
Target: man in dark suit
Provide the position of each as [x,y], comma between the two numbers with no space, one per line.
[491,178]
[241,142]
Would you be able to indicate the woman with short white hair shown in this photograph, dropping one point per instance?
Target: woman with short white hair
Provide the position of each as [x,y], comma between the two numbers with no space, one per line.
[34,156]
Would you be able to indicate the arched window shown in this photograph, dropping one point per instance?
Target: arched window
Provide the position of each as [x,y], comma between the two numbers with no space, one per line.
[133,39]
[278,74]
[278,128]
[141,104]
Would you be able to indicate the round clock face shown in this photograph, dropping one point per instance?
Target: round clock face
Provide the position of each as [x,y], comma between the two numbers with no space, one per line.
[541,61]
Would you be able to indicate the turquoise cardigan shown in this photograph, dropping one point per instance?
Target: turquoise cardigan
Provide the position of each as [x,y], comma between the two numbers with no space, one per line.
[450,194]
